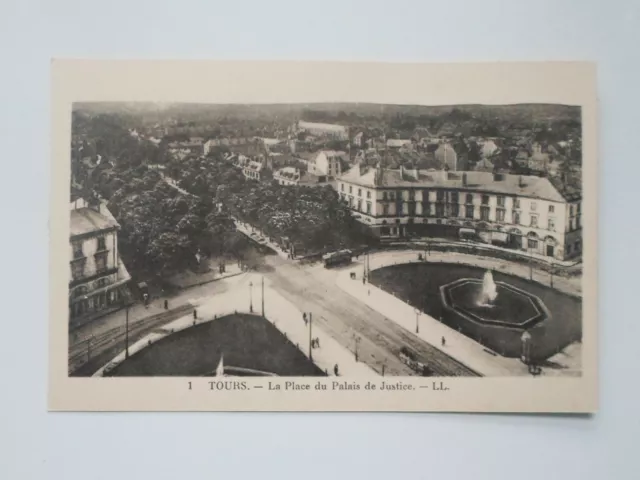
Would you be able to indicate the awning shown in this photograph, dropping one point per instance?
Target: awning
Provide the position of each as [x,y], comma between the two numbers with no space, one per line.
[469,231]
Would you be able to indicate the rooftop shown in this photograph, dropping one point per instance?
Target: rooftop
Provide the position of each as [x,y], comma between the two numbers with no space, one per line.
[86,220]
[323,126]
[521,185]
[398,142]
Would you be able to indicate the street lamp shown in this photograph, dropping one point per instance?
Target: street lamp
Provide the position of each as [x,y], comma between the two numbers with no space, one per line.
[530,249]
[310,341]
[263,297]
[251,297]
[417,320]
[357,342]
[526,347]
[126,333]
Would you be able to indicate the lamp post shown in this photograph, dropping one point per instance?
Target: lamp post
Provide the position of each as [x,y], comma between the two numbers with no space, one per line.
[263,297]
[526,348]
[364,267]
[357,342]
[126,333]
[310,348]
[89,347]
[251,297]
[417,320]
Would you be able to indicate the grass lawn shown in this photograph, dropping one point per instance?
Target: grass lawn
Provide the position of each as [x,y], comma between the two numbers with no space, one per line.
[246,341]
[418,284]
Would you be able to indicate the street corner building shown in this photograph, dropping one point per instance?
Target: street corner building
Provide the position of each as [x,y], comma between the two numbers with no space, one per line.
[99,281]
[521,212]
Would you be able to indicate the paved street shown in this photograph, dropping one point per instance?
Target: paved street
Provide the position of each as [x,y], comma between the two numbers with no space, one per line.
[458,345]
[337,311]
[246,297]
[106,332]
[313,289]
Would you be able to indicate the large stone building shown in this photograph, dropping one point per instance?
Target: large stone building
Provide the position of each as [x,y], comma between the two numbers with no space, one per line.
[327,163]
[294,176]
[330,130]
[99,279]
[521,212]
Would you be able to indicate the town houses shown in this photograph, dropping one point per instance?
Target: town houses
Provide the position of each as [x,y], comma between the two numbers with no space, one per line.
[526,213]
[336,132]
[98,278]
[294,176]
[327,163]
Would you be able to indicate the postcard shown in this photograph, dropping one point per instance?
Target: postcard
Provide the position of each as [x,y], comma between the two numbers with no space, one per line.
[323,236]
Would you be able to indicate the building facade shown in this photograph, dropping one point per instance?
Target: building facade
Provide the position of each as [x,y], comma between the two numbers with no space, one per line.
[526,213]
[327,163]
[253,170]
[330,130]
[99,281]
[287,176]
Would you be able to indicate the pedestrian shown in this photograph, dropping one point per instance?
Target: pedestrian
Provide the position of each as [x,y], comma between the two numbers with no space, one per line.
[166,304]
[443,341]
[364,279]
[369,292]
[335,370]
[317,342]
[146,300]
[195,314]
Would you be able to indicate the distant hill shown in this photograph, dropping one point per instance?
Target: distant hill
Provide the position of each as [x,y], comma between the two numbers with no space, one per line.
[518,112]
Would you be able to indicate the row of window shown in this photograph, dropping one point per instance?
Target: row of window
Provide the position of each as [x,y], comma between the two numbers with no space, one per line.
[77,246]
[78,266]
[359,190]
[469,212]
[84,290]
[440,196]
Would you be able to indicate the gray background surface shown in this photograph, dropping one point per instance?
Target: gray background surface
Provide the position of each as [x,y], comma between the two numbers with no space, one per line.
[38,445]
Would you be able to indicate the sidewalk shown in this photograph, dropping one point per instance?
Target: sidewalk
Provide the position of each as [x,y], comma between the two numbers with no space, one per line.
[247,229]
[488,246]
[459,346]
[570,286]
[189,279]
[284,316]
[288,319]
[137,311]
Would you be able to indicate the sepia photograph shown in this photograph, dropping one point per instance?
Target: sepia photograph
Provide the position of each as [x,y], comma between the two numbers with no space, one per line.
[346,241]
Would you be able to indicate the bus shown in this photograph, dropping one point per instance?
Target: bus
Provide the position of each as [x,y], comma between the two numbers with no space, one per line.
[342,257]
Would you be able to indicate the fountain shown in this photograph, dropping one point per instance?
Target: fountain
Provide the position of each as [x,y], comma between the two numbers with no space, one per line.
[489,290]
[487,302]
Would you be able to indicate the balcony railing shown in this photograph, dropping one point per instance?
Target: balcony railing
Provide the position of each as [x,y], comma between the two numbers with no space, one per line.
[77,280]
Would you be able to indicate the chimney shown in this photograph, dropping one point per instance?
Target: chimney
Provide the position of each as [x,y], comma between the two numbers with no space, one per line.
[379,175]
[464,179]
